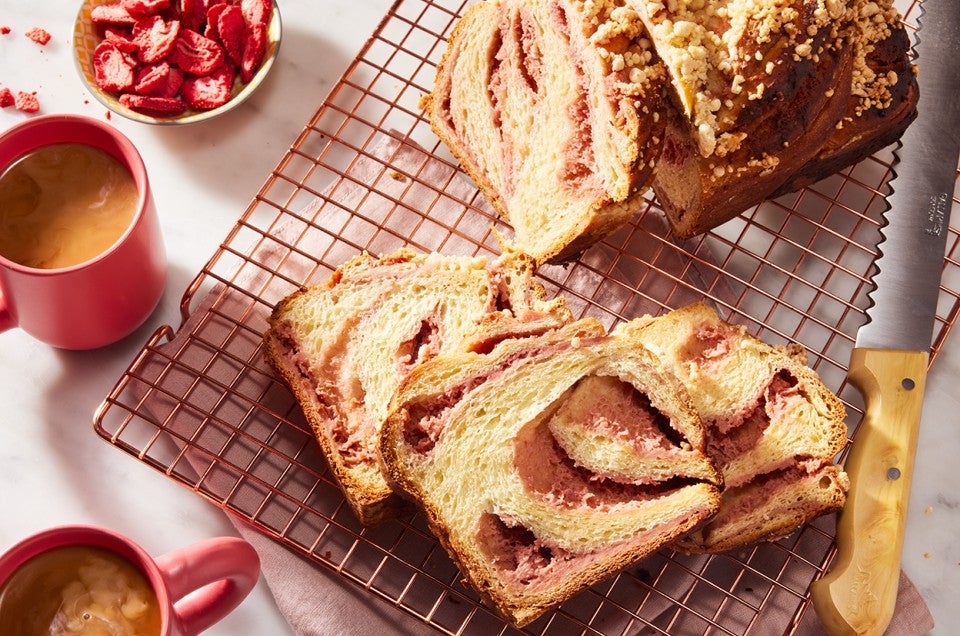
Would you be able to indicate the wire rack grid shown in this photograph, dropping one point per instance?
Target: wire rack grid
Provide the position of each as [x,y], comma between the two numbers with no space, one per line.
[366,173]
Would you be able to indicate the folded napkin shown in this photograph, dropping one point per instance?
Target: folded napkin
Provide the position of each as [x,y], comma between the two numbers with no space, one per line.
[313,598]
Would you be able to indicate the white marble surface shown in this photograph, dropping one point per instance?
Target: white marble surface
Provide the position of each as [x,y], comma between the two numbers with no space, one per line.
[55,470]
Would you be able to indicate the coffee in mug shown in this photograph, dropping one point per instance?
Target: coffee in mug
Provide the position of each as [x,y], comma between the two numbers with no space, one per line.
[63,204]
[78,590]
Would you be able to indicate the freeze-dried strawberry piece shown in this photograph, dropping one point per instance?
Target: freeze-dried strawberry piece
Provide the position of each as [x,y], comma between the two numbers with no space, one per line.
[112,68]
[196,54]
[174,82]
[254,49]
[123,38]
[256,16]
[193,14]
[26,102]
[158,80]
[111,14]
[6,97]
[151,105]
[230,28]
[212,30]
[38,35]
[142,8]
[155,37]
[256,11]
[209,4]
[211,91]
[151,79]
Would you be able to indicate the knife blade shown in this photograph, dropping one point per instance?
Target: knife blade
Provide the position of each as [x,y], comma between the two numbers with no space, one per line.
[889,361]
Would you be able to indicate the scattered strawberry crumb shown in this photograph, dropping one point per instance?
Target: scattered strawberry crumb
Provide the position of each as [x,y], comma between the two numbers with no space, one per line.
[4,30]
[6,97]
[27,102]
[107,114]
[38,35]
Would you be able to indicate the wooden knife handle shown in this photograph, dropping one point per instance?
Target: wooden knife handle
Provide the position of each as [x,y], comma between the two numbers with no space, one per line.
[859,593]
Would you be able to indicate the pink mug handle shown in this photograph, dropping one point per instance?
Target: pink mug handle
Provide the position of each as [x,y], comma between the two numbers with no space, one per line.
[217,574]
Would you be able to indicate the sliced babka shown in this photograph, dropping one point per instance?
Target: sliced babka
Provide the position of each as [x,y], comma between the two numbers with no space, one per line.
[550,462]
[553,108]
[772,427]
[343,347]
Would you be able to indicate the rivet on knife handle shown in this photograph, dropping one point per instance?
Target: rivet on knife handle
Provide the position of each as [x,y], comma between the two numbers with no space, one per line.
[859,593]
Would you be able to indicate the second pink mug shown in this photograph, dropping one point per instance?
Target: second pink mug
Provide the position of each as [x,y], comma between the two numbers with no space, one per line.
[103,299]
[194,587]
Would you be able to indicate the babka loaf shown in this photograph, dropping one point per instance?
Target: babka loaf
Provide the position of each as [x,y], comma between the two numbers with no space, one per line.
[771,426]
[758,86]
[550,462]
[343,347]
[883,97]
[553,108]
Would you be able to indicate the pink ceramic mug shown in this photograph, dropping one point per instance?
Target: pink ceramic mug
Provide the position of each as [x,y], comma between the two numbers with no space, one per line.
[195,586]
[102,299]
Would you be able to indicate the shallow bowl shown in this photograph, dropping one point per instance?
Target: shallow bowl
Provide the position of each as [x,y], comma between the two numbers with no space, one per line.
[86,36]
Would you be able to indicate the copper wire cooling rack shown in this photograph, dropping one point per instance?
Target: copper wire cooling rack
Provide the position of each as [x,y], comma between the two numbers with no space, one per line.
[366,173]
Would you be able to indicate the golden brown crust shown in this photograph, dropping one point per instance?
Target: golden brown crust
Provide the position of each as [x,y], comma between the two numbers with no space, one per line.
[698,193]
[871,122]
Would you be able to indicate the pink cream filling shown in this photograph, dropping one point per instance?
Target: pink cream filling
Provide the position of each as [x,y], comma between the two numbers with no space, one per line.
[579,170]
[425,344]
[352,442]
[748,498]
[531,62]
[528,563]
[626,414]
[735,434]
[550,474]
[729,439]
[425,422]
[708,345]
[497,87]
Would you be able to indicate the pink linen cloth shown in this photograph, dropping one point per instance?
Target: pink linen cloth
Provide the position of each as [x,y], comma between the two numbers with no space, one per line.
[316,604]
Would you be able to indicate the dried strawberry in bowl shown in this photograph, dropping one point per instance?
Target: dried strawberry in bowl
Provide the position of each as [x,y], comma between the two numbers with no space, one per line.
[175,61]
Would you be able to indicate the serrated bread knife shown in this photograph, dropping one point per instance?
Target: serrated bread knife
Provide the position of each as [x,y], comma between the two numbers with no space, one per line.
[889,360]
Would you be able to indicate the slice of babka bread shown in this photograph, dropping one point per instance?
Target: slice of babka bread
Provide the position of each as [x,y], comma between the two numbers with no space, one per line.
[883,97]
[343,347]
[549,463]
[552,107]
[757,88]
[771,425]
